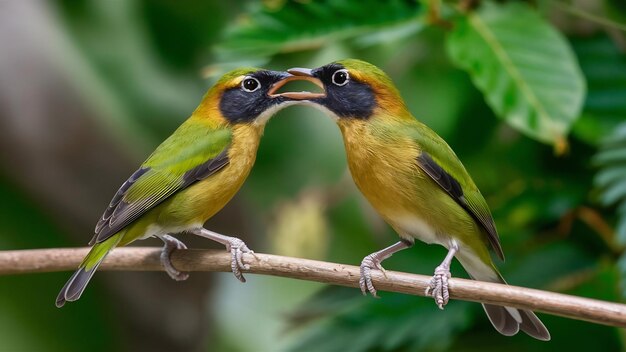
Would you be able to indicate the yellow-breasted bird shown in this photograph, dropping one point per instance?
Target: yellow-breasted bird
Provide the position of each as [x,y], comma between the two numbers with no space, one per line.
[190,176]
[414,180]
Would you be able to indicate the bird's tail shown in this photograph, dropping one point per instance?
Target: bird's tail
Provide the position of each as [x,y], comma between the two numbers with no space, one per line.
[508,321]
[75,286]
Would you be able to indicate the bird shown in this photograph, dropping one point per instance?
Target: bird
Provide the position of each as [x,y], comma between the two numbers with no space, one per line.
[414,180]
[189,177]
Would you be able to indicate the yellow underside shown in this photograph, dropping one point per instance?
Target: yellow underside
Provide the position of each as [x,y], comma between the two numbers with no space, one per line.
[194,205]
[387,173]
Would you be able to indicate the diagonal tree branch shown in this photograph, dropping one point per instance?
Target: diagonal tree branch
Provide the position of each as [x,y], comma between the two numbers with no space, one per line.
[147,259]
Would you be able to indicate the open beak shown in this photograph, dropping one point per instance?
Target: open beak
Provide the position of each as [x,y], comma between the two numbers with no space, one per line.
[297,74]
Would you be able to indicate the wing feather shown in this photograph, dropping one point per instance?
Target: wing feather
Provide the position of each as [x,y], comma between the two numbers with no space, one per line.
[439,162]
[156,181]
[471,201]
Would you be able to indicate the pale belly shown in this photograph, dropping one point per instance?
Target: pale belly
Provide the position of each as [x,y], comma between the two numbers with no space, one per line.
[419,215]
[411,227]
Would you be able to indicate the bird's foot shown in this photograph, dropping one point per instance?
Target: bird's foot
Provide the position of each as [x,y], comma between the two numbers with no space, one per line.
[438,287]
[172,244]
[234,245]
[365,282]
[237,248]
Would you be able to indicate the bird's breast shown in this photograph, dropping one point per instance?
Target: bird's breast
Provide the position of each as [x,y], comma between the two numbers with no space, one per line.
[202,200]
[384,168]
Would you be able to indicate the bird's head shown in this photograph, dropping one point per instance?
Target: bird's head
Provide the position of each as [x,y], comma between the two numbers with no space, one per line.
[353,89]
[246,96]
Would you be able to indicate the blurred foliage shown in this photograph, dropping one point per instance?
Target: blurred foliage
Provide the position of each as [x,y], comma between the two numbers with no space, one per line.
[612,177]
[611,180]
[274,27]
[605,70]
[303,216]
[26,299]
[498,80]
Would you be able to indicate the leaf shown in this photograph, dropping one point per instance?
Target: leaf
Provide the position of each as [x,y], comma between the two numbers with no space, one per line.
[395,322]
[611,178]
[524,67]
[604,66]
[303,25]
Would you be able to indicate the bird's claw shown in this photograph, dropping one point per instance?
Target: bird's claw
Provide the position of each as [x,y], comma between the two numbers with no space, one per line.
[365,281]
[237,249]
[172,244]
[438,287]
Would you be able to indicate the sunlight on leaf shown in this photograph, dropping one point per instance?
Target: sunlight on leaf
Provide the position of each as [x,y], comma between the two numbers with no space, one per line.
[300,228]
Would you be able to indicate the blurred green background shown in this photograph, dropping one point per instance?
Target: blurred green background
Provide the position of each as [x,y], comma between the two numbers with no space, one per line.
[89,88]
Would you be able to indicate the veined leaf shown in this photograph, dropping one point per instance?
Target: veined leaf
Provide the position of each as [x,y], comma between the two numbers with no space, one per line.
[301,25]
[611,178]
[524,67]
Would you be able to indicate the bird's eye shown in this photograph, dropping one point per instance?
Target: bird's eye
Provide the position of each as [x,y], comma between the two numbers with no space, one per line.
[250,84]
[341,77]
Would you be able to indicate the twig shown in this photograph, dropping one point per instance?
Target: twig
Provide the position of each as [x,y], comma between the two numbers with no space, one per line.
[606,22]
[147,259]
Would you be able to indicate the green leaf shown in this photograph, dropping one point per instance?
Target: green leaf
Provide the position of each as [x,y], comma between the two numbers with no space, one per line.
[604,66]
[395,322]
[302,25]
[611,178]
[524,67]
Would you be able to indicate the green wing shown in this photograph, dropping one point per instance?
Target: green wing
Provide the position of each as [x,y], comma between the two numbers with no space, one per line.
[440,162]
[190,154]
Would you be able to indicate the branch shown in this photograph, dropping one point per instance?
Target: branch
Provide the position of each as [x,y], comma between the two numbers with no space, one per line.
[147,259]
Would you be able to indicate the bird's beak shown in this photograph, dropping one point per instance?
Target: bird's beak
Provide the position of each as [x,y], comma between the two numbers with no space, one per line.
[297,74]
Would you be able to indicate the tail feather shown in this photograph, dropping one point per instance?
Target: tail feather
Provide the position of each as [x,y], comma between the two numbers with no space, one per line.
[506,320]
[502,320]
[506,324]
[74,287]
[533,326]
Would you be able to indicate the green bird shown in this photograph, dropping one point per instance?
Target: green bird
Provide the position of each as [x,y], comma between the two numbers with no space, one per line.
[414,180]
[190,176]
